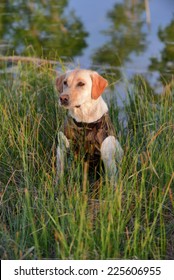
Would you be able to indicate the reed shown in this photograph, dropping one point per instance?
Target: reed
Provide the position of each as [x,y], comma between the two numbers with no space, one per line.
[41,219]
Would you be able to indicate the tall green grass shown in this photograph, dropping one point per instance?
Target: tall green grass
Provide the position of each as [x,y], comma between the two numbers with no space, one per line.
[41,219]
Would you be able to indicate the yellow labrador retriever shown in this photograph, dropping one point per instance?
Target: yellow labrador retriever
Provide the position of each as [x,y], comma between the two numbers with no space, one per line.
[88,130]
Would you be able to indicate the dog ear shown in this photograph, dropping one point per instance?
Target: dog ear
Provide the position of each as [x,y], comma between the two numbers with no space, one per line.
[98,85]
[59,83]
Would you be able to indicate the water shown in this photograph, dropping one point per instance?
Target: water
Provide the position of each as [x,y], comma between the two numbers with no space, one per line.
[122,37]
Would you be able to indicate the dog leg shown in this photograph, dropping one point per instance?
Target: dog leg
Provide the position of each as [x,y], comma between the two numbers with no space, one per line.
[119,152]
[111,152]
[63,145]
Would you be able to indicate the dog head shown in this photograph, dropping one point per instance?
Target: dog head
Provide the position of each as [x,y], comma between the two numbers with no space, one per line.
[79,86]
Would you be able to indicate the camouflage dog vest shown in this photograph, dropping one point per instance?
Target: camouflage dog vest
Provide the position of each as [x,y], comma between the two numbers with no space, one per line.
[86,138]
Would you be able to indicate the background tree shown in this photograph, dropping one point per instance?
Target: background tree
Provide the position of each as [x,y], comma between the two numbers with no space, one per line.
[165,64]
[45,25]
[125,34]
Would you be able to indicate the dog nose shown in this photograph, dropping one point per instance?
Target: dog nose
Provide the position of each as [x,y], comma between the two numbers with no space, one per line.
[64,99]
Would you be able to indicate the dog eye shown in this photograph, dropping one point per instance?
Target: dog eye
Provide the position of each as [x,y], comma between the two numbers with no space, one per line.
[80,84]
[65,83]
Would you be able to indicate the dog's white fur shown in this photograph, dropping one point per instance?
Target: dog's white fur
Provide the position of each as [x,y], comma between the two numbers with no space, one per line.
[80,92]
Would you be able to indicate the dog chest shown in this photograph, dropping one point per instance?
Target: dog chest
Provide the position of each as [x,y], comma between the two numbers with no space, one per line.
[86,138]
